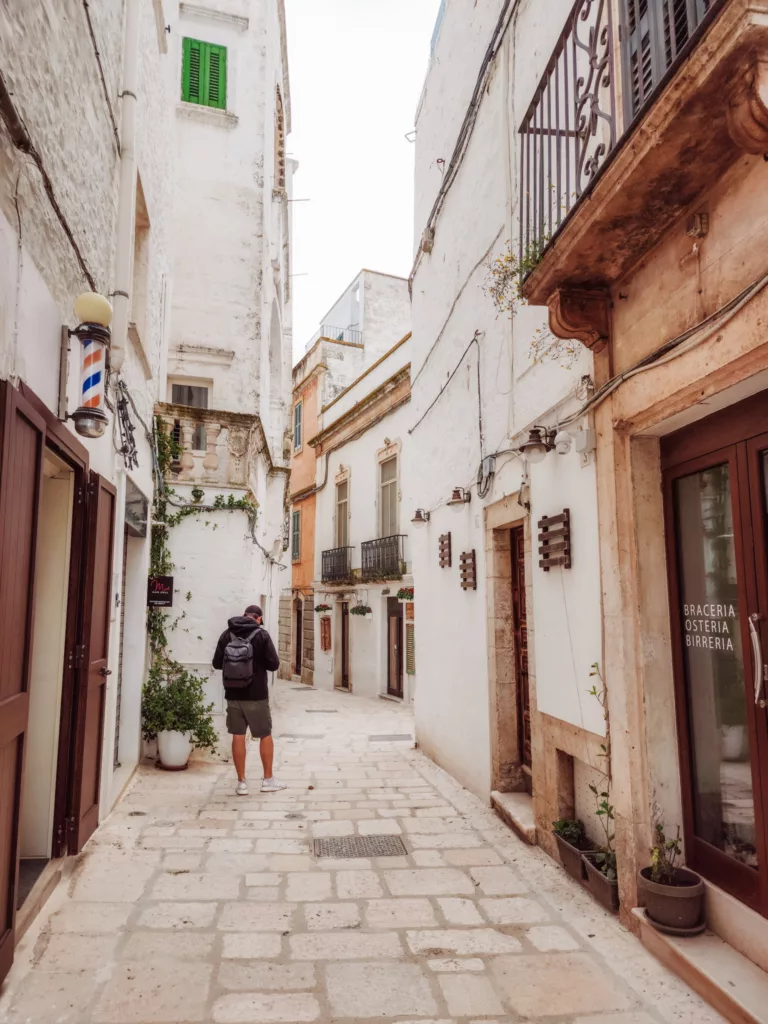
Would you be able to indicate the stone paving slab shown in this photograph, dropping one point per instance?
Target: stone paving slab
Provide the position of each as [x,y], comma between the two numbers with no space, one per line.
[191,904]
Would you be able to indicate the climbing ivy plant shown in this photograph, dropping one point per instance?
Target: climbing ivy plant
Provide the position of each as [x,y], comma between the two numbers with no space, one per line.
[173,697]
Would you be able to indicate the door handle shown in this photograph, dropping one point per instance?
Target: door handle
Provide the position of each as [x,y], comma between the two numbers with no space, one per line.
[105,672]
[757,651]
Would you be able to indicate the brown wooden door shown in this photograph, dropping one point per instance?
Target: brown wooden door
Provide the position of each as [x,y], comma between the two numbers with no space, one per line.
[520,625]
[395,648]
[92,682]
[22,436]
[299,635]
[345,646]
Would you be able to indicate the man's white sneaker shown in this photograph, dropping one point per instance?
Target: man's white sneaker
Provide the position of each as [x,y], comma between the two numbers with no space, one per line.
[242,788]
[272,785]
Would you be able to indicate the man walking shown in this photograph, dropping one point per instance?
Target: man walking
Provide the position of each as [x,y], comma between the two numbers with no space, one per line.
[245,653]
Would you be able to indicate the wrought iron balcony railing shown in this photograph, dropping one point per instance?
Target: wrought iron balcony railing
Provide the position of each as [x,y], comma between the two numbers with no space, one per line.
[573,125]
[337,564]
[383,557]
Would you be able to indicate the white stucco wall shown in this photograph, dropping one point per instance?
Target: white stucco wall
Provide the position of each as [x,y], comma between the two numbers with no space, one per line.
[450,307]
[41,48]
[231,311]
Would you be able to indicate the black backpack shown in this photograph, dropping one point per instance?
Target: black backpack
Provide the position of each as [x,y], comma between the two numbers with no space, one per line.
[238,661]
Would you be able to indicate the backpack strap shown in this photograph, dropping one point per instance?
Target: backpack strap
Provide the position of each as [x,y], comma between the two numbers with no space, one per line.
[252,635]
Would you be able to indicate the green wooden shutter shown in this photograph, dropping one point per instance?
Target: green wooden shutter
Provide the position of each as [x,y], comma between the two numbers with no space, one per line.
[191,70]
[410,650]
[216,76]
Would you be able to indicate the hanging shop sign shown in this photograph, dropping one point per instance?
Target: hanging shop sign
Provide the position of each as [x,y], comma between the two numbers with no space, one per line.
[160,592]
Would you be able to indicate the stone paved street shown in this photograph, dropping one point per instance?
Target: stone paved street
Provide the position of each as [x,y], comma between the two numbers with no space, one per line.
[191,904]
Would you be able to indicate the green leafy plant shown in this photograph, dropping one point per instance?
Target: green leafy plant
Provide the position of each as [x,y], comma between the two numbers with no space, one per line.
[665,854]
[173,699]
[322,607]
[571,830]
[507,272]
[360,609]
[405,594]
[605,857]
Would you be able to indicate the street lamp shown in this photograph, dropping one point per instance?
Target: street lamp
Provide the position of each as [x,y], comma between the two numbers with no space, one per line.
[420,517]
[540,441]
[459,497]
[94,314]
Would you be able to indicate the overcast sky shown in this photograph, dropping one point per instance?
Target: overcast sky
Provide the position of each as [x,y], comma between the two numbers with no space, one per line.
[357,68]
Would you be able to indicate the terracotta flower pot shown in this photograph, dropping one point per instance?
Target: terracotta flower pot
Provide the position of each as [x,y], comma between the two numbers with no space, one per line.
[678,907]
[571,857]
[605,890]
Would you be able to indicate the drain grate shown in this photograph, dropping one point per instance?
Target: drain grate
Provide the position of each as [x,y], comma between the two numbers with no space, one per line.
[303,689]
[399,737]
[348,847]
[301,736]
[320,711]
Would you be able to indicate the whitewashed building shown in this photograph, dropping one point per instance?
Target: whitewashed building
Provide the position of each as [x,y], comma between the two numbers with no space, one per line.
[363,588]
[226,391]
[85,206]
[505,647]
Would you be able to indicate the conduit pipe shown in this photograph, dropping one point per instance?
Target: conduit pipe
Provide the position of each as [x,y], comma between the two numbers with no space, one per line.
[126,203]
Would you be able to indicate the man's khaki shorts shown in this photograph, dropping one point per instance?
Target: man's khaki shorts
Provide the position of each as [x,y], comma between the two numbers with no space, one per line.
[249,714]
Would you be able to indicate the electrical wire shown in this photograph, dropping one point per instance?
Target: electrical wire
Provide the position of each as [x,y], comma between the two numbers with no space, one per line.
[439,395]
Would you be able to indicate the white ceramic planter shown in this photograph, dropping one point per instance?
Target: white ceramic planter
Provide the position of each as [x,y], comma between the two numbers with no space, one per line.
[174,749]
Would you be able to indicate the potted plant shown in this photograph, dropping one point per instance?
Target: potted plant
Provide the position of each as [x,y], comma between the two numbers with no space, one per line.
[673,896]
[572,842]
[362,609]
[174,711]
[600,864]
[405,594]
[322,608]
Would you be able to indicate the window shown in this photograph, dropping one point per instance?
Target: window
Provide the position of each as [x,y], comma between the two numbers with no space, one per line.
[297,412]
[204,74]
[342,515]
[325,633]
[388,502]
[296,534]
[195,397]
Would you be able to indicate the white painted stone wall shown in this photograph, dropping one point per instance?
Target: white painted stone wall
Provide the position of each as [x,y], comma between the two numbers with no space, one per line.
[450,307]
[51,70]
[231,310]
[368,637]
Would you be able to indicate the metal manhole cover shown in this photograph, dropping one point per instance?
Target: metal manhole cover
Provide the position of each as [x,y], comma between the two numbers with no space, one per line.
[320,711]
[348,847]
[400,737]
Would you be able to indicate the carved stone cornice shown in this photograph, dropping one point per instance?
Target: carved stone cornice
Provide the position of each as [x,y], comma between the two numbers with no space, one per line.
[581,313]
[748,106]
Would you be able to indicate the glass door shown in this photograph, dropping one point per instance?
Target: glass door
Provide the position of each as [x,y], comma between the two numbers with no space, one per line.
[718,619]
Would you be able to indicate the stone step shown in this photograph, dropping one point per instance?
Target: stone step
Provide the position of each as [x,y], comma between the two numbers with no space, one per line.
[516,809]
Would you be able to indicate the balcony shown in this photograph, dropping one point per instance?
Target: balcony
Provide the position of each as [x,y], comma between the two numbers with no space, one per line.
[384,557]
[337,564]
[348,335]
[642,106]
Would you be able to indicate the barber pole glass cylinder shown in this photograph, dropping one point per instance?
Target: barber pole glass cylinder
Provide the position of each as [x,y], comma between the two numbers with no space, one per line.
[94,336]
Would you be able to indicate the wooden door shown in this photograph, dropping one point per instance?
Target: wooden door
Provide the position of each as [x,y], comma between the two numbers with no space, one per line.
[345,646]
[22,436]
[394,648]
[94,654]
[299,634]
[520,625]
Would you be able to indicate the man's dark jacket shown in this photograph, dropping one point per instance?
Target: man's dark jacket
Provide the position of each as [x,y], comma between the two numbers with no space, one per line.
[265,658]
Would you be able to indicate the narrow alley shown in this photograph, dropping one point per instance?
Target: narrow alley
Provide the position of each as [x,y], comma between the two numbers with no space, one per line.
[190,904]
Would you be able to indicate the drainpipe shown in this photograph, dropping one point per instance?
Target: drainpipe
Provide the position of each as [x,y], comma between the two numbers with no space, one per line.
[126,204]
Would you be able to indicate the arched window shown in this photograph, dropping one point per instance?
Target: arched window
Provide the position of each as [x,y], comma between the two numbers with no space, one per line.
[279,180]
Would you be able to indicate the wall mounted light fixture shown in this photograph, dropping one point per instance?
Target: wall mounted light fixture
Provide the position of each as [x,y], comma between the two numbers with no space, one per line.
[540,441]
[420,517]
[459,496]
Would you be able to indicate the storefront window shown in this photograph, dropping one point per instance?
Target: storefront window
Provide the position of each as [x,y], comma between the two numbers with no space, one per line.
[724,810]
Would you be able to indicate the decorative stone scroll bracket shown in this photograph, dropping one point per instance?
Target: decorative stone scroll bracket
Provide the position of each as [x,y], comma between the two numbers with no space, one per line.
[748,106]
[581,313]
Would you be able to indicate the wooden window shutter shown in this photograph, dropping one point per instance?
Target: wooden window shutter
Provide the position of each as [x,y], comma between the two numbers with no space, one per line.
[325,633]
[410,649]
[216,76]
[191,70]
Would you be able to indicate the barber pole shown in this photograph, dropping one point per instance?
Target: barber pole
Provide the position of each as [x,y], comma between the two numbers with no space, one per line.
[94,335]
